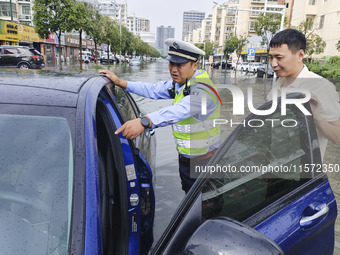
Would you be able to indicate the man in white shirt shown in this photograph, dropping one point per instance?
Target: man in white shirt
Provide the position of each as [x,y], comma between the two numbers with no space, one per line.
[287,50]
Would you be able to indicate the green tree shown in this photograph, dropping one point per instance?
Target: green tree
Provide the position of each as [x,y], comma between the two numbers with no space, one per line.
[208,47]
[338,45]
[95,29]
[230,45]
[110,35]
[52,17]
[239,43]
[80,20]
[315,44]
[266,26]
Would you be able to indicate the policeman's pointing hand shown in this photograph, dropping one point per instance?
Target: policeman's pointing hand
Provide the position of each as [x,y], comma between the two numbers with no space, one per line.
[131,129]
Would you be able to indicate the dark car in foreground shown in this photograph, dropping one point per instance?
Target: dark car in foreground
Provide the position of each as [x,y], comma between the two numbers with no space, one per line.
[21,57]
[261,71]
[69,185]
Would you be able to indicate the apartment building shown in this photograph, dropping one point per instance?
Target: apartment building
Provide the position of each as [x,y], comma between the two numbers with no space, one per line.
[162,34]
[136,25]
[121,12]
[325,17]
[191,20]
[246,20]
[223,23]
[21,11]
[143,25]
[107,7]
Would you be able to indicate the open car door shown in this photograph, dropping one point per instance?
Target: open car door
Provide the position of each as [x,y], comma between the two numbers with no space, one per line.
[270,180]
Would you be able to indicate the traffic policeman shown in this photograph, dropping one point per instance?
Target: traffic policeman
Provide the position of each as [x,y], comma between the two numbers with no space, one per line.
[196,104]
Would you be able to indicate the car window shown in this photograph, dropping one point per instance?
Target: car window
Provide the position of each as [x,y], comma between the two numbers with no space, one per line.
[10,51]
[34,52]
[36,176]
[244,190]
[125,104]
[113,196]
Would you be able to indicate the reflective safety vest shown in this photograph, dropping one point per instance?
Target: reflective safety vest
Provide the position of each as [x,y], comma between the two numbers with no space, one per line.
[193,137]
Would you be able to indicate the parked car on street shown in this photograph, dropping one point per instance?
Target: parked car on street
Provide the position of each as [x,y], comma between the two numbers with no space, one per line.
[253,66]
[261,71]
[69,185]
[243,66]
[217,64]
[86,56]
[103,58]
[134,62]
[21,57]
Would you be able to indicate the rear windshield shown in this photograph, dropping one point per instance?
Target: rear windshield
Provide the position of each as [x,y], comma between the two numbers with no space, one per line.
[35,52]
[36,173]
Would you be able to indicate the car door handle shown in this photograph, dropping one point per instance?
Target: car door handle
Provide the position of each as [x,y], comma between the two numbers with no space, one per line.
[320,211]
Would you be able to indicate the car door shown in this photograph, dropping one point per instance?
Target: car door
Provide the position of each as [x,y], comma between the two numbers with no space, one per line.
[138,173]
[119,192]
[9,57]
[265,180]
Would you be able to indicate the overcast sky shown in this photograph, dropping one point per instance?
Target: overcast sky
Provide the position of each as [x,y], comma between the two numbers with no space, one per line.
[168,12]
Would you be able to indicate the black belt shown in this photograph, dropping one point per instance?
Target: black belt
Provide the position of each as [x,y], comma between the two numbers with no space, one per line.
[199,158]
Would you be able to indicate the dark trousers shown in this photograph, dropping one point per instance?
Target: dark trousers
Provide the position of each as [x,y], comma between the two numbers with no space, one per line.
[184,171]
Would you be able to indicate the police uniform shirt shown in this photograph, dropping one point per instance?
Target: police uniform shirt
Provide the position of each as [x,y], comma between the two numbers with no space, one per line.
[187,106]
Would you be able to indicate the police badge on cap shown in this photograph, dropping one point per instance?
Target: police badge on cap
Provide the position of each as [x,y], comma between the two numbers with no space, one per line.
[181,52]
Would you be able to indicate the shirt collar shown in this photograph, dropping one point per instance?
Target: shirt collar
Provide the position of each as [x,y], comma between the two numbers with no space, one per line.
[296,82]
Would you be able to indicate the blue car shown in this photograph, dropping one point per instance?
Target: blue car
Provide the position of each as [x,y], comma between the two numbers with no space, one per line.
[70,186]
[271,195]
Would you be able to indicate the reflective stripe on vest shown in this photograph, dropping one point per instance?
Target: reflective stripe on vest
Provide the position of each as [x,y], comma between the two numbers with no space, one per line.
[194,137]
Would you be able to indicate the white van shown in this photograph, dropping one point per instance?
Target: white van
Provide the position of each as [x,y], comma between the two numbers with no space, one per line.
[86,56]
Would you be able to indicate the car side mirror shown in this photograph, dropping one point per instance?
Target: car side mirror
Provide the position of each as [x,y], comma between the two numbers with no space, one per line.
[227,236]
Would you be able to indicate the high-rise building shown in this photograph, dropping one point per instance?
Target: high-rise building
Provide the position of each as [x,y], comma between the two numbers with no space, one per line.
[162,34]
[136,25]
[107,7]
[143,25]
[191,21]
[324,15]
[121,12]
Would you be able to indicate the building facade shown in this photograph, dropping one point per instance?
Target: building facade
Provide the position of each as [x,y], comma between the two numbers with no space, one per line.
[191,20]
[162,34]
[325,17]
[107,7]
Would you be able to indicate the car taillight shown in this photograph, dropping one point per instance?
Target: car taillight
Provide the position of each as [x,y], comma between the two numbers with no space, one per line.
[35,56]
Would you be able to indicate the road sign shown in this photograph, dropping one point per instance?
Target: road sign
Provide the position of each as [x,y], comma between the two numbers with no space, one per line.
[251,54]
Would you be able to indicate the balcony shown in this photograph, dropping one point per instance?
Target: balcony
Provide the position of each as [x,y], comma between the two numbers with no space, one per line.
[257,1]
[23,1]
[229,21]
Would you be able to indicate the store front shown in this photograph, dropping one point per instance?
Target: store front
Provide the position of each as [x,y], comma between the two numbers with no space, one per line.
[9,34]
[28,37]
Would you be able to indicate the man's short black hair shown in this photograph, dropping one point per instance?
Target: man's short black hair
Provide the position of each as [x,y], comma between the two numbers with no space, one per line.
[294,39]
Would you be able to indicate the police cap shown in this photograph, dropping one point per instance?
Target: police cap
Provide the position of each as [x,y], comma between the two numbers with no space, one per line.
[181,52]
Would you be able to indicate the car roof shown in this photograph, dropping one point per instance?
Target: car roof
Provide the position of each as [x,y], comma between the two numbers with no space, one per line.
[49,91]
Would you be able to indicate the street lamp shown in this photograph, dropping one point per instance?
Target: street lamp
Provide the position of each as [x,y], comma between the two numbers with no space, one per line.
[120,36]
[11,9]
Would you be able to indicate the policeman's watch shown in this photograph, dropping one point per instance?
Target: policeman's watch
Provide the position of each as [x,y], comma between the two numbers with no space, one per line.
[145,122]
